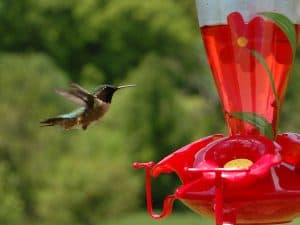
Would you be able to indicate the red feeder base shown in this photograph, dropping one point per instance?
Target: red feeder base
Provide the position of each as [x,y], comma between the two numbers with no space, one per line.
[274,200]
[267,192]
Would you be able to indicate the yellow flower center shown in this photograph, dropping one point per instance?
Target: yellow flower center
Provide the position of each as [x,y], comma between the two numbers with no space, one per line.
[238,164]
[242,42]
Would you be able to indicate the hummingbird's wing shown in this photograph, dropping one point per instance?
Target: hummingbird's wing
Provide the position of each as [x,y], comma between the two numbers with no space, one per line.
[79,89]
[80,92]
[77,100]
[78,95]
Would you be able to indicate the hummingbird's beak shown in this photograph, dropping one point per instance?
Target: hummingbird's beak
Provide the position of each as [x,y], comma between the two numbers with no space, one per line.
[125,86]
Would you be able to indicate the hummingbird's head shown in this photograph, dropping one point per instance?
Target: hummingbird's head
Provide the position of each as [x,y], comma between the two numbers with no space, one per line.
[106,92]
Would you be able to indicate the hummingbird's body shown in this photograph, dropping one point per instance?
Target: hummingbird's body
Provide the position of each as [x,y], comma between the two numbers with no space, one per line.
[94,106]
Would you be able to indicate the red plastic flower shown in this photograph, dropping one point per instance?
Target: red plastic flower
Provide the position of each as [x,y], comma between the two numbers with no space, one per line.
[264,190]
[259,153]
[255,35]
[213,152]
[245,37]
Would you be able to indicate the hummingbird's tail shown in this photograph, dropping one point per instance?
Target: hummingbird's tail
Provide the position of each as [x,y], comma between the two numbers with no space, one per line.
[51,121]
[66,123]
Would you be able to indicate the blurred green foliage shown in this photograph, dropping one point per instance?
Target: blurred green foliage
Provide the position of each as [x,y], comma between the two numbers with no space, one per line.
[49,176]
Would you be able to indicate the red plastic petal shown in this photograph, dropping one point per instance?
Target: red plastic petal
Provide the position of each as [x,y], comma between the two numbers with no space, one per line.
[290,143]
[263,152]
[184,157]
[256,29]
[236,24]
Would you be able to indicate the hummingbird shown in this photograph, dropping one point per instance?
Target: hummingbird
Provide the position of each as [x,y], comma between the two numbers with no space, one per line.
[93,106]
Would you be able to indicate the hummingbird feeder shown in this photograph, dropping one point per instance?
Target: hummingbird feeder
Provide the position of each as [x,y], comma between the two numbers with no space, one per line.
[252,175]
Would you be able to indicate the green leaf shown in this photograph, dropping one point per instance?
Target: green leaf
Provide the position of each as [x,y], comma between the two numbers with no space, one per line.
[261,59]
[257,121]
[286,25]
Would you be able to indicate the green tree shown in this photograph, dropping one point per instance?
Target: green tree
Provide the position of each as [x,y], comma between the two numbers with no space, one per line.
[289,119]
[25,83]
[48,175]
[113,36]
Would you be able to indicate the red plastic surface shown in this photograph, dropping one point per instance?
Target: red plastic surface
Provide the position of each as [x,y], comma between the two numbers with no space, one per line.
[242,82]
[267,192]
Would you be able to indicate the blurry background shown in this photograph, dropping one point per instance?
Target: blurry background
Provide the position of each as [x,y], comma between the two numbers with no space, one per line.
[52,177]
